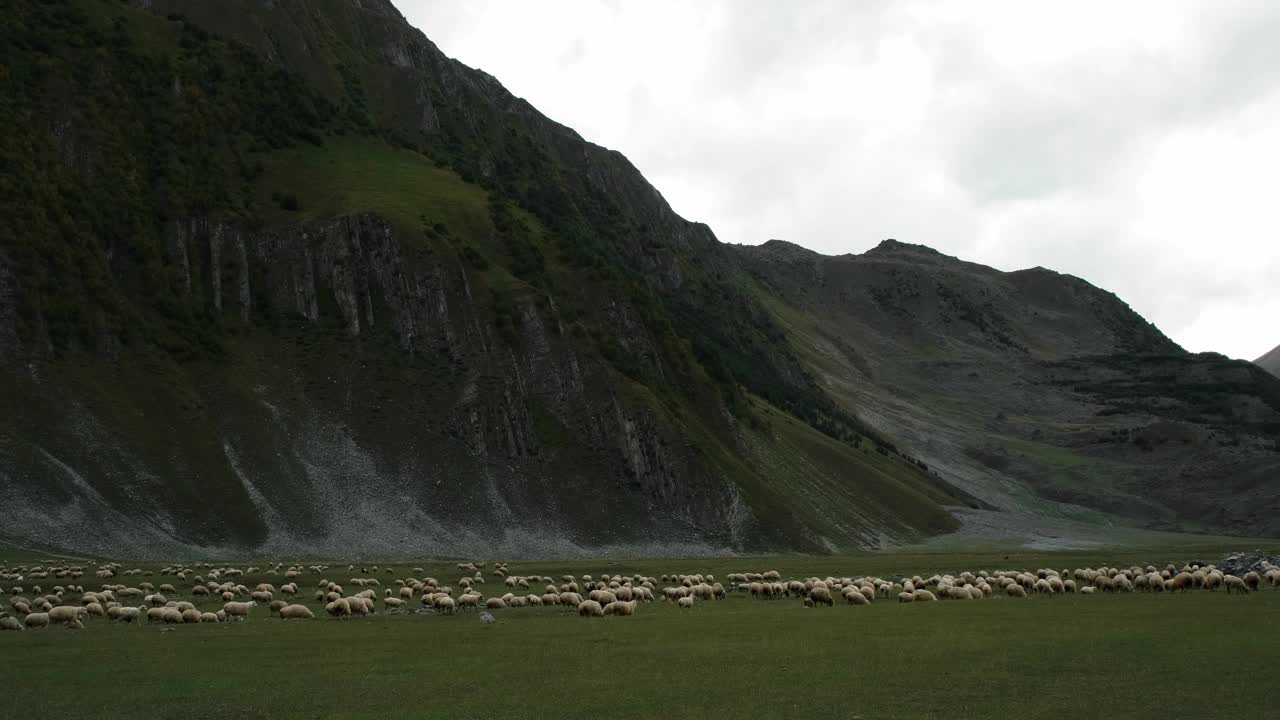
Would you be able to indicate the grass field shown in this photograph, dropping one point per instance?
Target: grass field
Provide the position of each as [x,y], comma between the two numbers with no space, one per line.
[1132,656]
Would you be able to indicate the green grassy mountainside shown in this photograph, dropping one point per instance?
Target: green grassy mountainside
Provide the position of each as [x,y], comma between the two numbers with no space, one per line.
[281,276]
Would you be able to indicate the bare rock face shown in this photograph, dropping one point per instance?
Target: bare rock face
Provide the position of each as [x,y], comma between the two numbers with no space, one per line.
[474,440]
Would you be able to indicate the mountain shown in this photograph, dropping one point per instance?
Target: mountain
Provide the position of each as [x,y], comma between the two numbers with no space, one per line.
[1035,391]
[280,277]
[1270,362]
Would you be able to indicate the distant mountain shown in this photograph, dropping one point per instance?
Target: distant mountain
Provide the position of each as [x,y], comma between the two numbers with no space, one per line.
[1270,362]
[288,280]
[1032,390]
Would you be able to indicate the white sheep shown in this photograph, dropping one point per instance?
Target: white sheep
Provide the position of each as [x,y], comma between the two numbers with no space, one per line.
[33,620]
[1235,584]
[339,609]
[854,597]
[621,607]
[821,595]
[120,613]
[238,610]
[296,612]
[65,614]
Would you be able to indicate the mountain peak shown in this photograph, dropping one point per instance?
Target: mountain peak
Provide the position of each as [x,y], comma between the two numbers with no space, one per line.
[890,245]
[1270,362]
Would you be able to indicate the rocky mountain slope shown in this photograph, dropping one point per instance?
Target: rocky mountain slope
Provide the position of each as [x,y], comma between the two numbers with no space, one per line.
[1270,362]
[1035,391]
[283,278]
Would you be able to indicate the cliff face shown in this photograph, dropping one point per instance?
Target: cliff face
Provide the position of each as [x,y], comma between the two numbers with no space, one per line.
[367,406]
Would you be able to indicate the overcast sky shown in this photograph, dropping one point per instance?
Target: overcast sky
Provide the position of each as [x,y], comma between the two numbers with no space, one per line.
[1134,144]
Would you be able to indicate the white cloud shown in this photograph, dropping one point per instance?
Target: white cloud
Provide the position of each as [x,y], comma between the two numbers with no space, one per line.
[1131,144]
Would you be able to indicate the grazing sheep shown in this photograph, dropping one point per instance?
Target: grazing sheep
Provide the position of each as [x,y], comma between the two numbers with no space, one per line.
[238,610]
[34,620]
[906,597]
[590,608]
[121,613]
[8,622]
[446,605]
[208,617]
[339,609]
[820,595]
[494,603]
[854,597]
[64,614]
[621,607]
[686,602]
[296,612]
[393,602]
[191,616]
[1234,583]
[1252,579]
[604,597]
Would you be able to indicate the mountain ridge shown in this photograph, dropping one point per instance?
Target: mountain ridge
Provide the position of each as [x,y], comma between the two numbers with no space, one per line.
[1270,361]
[399,311]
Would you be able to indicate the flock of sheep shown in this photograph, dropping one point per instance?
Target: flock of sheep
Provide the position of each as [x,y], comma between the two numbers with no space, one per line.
[68,603]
